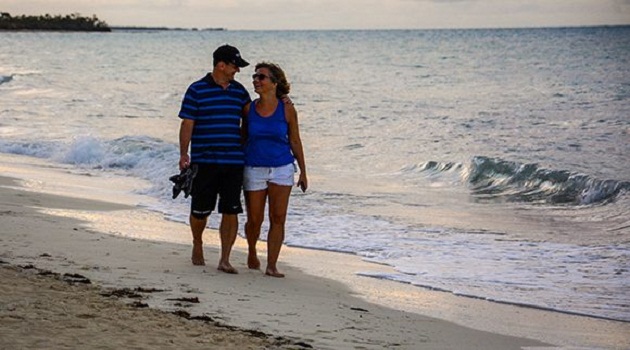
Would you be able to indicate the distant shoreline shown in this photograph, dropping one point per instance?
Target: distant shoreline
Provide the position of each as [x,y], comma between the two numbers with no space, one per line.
[116,29]
[73,22]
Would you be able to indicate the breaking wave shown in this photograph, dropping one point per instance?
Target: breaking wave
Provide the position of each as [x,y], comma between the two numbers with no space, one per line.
[493,179]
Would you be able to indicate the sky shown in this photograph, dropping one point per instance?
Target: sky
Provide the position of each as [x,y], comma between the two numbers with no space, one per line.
[334,14]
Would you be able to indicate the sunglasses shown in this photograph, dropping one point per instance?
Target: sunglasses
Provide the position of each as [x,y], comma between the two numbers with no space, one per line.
[260,77]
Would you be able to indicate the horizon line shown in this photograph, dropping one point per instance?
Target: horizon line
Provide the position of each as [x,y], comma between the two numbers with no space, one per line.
[137,27]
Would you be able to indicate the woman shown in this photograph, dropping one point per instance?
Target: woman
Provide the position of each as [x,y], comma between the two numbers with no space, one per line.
[272,144]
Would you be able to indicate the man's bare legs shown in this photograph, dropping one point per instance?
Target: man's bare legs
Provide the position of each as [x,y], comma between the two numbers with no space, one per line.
[255,203]
[278,204]
[227,231]
[197,226]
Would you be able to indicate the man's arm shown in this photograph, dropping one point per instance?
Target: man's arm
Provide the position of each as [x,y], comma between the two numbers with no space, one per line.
[185,135]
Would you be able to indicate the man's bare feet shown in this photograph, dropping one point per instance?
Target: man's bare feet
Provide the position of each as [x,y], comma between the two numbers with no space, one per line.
[227,268]
[197,255]
[253,262]
[274,273]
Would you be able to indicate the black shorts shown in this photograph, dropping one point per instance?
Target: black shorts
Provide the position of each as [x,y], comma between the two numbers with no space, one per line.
[212,180]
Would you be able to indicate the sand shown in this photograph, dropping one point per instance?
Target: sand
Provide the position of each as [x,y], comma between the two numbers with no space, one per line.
[41,310]
[145,293]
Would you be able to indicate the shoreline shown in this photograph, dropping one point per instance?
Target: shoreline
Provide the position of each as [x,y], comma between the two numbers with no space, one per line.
[322,302]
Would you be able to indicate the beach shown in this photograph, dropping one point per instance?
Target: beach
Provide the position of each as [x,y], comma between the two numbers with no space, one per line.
[57,235]
[494,166]
[42,311]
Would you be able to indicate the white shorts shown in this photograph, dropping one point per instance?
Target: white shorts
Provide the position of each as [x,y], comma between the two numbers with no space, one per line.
[257,178]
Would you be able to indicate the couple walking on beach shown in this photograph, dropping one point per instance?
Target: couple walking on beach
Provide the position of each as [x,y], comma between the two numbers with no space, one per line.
[236,143]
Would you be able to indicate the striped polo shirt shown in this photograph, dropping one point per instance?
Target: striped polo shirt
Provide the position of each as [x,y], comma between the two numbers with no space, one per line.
[216,137]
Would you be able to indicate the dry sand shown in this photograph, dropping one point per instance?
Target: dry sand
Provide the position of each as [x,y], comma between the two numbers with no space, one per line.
[42,310]
[321,304]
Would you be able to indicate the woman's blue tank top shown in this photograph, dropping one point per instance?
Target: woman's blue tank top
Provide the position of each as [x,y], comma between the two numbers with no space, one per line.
[267,138]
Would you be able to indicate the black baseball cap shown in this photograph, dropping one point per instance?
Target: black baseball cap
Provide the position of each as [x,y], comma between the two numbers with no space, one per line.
[229,54]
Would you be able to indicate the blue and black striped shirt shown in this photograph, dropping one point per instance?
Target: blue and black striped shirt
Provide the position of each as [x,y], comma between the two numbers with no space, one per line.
[216,137]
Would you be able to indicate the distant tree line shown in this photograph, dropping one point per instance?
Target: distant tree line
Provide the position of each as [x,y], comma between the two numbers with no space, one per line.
[72,22]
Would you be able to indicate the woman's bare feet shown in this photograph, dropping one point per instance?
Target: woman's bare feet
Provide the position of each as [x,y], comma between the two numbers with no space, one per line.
[227,268]
[197,255]
[274,273]
[253,262]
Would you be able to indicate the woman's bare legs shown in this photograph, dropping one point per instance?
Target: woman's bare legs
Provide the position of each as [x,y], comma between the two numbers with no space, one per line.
[255,203]
[278,205]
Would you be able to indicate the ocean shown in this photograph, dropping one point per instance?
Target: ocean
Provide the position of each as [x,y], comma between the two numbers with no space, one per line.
[489,163]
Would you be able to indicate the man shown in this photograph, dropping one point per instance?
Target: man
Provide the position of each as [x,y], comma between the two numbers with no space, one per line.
[211,114]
